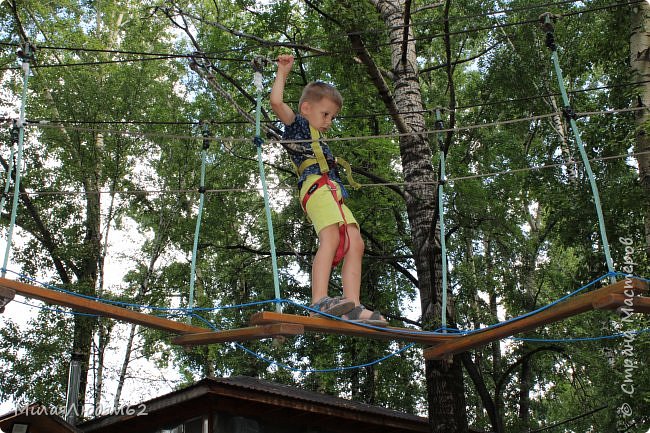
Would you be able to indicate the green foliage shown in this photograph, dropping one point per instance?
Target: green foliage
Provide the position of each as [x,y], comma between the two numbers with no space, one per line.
[517,240]
[34,361]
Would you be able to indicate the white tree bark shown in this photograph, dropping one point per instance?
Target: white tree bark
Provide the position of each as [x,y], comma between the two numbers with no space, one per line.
[640,64]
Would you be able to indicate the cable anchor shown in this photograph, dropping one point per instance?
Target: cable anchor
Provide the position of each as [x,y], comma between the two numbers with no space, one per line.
[26,53]
[15,133]
[259,63]
[206,135]
[569,113]
[547,22]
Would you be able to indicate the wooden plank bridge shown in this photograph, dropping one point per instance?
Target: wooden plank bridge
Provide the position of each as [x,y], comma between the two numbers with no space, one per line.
[624,296]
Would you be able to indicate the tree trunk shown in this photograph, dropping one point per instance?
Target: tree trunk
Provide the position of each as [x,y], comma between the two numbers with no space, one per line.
[640,64]
[125,367]
[445,390]
[525,384]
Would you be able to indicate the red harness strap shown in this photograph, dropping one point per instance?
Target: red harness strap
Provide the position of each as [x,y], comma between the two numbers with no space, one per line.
[344,242]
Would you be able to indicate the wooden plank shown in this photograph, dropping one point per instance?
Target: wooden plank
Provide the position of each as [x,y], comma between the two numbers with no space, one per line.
[570,307]
[638,304]
[6,296]
[241,334]
[331,326]
[99,308]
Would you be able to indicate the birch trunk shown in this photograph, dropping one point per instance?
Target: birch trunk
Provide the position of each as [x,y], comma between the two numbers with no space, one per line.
[157,249]
[445,390]
[640,64]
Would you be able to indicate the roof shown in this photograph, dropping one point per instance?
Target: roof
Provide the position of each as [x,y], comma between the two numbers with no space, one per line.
[263,400]
[40,419]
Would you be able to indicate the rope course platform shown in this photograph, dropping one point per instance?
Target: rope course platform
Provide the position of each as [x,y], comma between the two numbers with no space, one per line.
[622,294]
[322,325]
[8,288]
[100,308]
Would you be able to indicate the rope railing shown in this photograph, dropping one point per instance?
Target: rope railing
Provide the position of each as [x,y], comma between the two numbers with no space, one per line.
[26,55]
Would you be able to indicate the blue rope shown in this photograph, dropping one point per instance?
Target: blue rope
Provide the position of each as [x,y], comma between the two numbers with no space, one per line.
[374,362]
[581,339]
[55,310]
[621,274]
[299,370]
[532,339]
[439,331]
[140,306]
[545,307]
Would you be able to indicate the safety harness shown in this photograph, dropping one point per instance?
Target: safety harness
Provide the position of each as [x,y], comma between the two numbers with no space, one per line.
[324,180]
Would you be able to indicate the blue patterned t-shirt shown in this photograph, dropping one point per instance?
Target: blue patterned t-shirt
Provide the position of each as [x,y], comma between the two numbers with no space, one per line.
[300,151]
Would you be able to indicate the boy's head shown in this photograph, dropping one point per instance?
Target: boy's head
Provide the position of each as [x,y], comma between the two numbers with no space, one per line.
[319,104]
[317,90]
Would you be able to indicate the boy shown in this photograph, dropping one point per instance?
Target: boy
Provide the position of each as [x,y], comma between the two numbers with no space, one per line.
[321,195]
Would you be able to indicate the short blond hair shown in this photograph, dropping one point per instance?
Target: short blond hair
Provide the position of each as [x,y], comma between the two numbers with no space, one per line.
[317,90]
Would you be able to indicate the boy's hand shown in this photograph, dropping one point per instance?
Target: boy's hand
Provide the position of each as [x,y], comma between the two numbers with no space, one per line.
[285,63]
[280,108]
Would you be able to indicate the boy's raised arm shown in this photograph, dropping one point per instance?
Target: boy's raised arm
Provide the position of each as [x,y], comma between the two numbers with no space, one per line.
[279,107]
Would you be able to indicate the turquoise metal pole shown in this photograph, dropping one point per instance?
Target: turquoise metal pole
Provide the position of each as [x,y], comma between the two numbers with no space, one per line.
[550,42]
[19,156]
[10,164]
[441,213]
[258,143]
[206,145]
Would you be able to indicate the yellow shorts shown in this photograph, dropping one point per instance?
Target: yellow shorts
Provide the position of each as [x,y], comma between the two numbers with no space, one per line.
[322,210]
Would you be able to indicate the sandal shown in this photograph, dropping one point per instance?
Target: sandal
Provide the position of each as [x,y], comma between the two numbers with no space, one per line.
[374,319]
[332,306]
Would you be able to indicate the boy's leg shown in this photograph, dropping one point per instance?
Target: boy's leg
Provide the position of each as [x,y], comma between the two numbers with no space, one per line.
[351,276]
[328,242]
[351,271]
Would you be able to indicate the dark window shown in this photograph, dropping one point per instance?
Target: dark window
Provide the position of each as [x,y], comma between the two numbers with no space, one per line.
[191,426]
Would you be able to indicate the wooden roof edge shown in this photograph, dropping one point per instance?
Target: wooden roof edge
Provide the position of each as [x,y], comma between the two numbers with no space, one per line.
[264,392]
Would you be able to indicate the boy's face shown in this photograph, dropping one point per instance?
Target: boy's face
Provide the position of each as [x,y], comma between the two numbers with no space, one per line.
[320,114]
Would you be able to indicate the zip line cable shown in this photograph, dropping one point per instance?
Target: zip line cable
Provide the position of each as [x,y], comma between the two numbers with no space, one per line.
[209,54]
[349,116]
[424,23]
[349,138]
[167,56]
[93,63]
[373,184]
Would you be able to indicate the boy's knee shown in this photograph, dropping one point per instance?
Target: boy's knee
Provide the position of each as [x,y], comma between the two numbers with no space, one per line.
[329,236]
[356,242]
